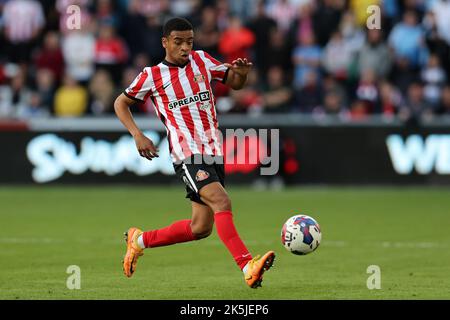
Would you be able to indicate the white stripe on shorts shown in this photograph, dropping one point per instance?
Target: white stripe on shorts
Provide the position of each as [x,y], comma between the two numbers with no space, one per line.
[189,177]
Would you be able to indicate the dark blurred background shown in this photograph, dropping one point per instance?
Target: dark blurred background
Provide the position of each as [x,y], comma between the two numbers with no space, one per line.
[314,57]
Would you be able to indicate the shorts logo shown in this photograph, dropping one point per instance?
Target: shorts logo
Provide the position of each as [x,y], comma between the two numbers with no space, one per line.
[199,78]
[201,175]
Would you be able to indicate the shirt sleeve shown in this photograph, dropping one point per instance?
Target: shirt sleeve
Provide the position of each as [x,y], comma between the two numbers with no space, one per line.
[217,69]
[141,88]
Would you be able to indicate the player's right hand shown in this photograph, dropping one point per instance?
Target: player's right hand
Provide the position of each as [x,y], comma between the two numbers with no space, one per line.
[146,147]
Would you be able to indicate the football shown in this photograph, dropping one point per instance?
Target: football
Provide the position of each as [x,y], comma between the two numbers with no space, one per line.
[301,234]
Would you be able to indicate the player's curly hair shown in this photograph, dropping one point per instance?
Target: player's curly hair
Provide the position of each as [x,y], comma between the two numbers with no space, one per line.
[176,24]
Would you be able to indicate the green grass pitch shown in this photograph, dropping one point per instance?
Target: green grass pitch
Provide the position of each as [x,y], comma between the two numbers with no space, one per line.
[404,231]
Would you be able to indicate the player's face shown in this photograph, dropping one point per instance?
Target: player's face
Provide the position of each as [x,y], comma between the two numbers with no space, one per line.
[178,45]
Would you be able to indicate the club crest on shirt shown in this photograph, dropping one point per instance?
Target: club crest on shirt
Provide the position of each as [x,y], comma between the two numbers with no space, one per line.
[199,78]
[201,175]
[205,106]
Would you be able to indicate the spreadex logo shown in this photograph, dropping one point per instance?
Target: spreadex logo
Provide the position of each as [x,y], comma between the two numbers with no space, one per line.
[419,153]
[202,96]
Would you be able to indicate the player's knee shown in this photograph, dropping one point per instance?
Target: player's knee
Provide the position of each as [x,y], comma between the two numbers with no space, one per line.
[226,203]
[201,231]
[222,203]
[217,199]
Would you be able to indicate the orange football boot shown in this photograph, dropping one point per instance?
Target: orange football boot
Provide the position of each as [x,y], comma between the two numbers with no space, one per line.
[133,251]
[256,268]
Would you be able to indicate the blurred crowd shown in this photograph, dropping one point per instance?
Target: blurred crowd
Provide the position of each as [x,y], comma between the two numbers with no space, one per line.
[310,56]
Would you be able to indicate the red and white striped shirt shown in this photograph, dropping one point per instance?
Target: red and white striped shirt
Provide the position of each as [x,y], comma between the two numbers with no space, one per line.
[183,100]
[22,20]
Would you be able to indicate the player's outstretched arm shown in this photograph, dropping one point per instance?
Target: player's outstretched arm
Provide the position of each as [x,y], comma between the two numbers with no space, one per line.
[144,145]
[237,74]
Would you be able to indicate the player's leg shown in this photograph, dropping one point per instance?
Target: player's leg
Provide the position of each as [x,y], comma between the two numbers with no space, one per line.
[199,227]
[137,241]
[216,197]
[180,231]
[202,220]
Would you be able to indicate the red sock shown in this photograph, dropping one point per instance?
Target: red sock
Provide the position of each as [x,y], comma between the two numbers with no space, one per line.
[229,236]
[177,232]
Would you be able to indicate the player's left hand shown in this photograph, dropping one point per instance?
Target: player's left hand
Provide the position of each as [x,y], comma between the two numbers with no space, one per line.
[240,66]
